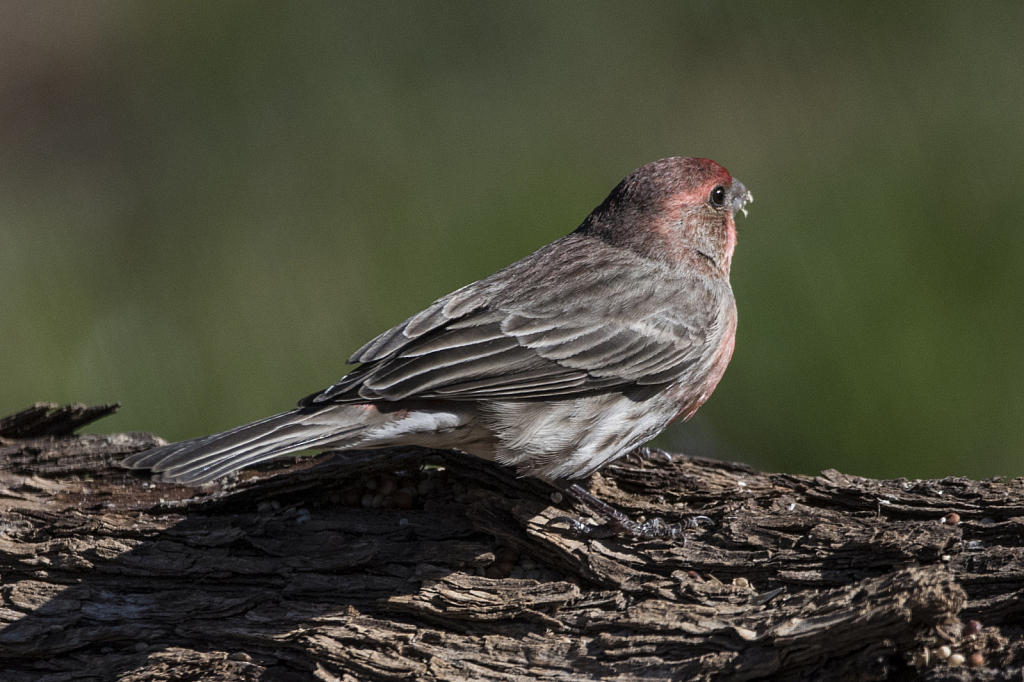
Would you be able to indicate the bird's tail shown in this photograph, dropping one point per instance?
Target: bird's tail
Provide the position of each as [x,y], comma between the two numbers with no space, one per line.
[200,460]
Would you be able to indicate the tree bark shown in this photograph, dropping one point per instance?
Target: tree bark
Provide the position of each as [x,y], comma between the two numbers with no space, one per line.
[428,565]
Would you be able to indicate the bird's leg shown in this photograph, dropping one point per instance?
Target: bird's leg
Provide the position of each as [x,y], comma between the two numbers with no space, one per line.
[619,523]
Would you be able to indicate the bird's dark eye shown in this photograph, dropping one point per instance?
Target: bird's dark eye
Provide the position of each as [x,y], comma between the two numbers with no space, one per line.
[717,197]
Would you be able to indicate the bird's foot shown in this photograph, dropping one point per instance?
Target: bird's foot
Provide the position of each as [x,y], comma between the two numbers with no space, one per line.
[640,454]
[658,529]
[581,529]
[655,529]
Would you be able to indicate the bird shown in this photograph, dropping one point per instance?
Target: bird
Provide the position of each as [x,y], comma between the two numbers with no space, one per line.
[555,365]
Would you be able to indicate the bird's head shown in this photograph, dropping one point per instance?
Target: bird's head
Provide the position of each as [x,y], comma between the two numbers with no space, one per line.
[676,210]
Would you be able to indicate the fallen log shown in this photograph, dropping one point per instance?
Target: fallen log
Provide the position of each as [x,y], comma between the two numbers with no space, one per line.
[429,565]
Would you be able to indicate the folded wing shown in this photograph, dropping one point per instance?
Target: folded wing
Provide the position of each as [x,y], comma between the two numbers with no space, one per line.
[601,328]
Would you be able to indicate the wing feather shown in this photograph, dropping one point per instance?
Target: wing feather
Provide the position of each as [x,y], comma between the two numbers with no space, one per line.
[516,335]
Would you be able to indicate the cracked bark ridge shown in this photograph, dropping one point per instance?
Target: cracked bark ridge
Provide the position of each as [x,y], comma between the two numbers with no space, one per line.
[50,419]
[418,564]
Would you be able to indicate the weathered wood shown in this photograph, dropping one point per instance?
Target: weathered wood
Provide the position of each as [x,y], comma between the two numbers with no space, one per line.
[49,419]
[418,564]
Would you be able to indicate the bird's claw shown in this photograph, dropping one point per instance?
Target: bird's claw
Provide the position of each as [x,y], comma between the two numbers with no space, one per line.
[695,521]
[638,455]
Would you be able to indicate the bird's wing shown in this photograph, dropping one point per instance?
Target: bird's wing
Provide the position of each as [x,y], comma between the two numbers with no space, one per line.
[591,328]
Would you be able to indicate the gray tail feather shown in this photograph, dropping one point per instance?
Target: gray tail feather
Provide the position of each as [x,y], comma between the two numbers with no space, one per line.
[203,459]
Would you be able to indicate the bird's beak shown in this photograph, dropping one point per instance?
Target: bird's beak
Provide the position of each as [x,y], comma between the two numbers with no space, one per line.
[739,197]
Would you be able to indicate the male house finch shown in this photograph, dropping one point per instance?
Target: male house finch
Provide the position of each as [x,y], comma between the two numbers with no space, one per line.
[557,364]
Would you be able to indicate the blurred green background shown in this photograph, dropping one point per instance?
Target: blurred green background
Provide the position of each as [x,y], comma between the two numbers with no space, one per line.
[205,207]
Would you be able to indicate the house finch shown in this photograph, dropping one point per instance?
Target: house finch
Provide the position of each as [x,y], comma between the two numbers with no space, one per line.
[557,364]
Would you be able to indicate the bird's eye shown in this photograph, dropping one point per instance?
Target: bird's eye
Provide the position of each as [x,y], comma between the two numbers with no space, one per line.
[717,197]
